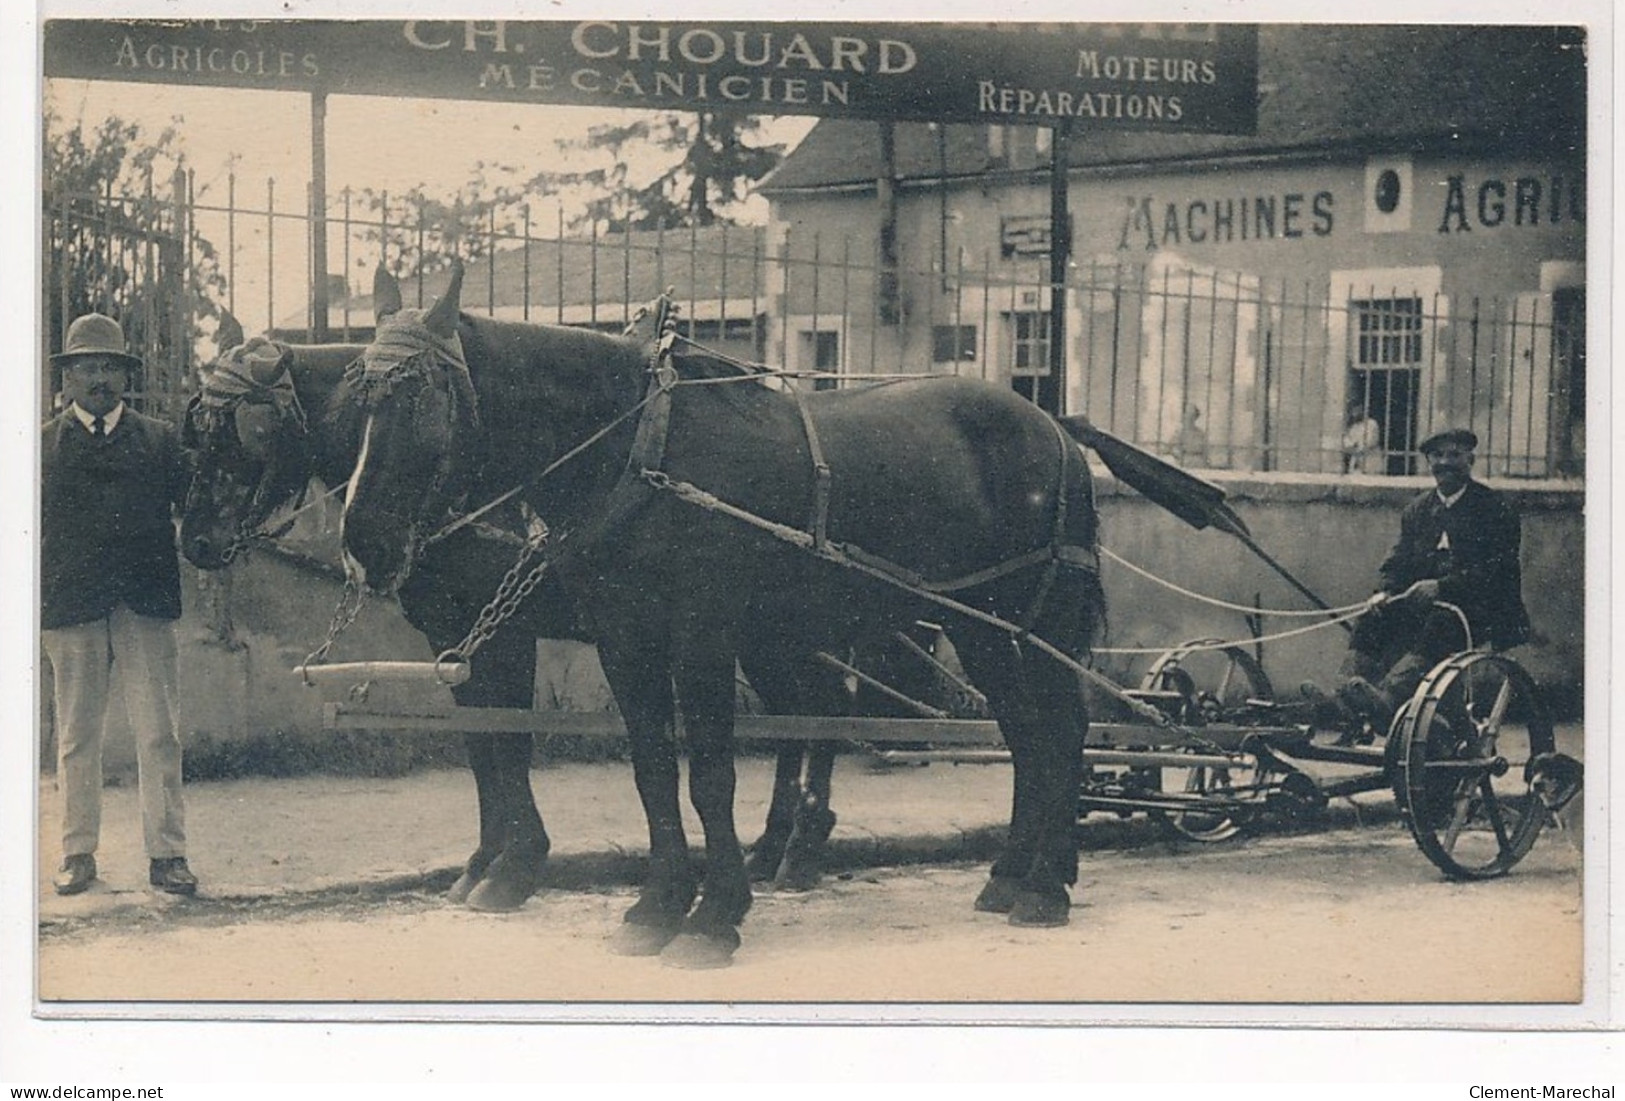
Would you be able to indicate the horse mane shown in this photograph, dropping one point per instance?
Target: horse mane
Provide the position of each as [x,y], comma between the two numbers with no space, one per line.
[594,368]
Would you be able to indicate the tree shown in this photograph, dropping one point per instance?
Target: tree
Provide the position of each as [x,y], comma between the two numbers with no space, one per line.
[718,164]
[705,166]
[116,241]
[416,232]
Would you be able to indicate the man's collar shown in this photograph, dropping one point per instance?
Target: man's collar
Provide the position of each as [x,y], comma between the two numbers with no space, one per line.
[109,422]
[1453,498]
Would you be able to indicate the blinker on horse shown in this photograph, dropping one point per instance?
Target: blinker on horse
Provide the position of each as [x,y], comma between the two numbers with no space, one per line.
[962,501]
[409,365]
[270,416]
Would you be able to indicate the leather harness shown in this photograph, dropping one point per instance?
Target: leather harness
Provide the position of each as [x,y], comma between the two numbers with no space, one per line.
[644,471]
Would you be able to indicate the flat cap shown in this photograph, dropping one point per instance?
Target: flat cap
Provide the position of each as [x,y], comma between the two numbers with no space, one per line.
[1462,437]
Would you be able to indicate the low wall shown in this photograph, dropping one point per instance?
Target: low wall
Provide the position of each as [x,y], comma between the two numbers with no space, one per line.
[1331,535]
[246,629]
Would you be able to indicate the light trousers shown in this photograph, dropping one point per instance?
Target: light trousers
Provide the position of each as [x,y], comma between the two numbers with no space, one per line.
[82,660]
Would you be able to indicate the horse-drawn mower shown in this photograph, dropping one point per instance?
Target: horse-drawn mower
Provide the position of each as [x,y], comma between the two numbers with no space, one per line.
[1201,743]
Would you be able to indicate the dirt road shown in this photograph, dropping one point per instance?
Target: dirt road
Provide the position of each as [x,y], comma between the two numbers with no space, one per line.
[1346,916]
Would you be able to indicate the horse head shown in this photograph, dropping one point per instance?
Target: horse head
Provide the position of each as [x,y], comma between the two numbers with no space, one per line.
[248,433]
[420,428]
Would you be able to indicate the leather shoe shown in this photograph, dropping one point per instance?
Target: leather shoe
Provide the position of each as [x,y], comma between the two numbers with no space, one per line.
[172,876]
[1365,699]
[78,872]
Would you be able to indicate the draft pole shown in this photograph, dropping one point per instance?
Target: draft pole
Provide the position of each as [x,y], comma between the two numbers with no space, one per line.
[1060,252]
[318,217]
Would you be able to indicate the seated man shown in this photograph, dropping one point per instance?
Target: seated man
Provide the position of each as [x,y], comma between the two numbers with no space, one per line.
[1458,544]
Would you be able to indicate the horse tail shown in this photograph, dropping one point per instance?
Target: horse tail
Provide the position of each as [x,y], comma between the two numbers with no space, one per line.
[1088,590]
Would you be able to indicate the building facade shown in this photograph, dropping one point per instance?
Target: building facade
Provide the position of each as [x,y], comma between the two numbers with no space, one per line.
[1400,245]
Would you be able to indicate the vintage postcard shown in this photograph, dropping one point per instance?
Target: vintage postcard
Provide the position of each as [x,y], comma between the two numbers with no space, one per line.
[617,516]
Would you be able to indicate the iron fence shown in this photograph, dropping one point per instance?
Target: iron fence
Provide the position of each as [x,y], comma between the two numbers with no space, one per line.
[1216,369]
[126,256]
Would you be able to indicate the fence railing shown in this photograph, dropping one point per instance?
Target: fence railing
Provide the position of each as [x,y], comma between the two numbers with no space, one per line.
[125,256]
[1216,369]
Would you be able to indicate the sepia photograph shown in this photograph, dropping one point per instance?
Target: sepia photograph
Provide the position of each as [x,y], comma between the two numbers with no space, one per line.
[557,516]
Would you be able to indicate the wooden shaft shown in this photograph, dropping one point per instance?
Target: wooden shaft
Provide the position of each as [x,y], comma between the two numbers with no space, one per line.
[448,673]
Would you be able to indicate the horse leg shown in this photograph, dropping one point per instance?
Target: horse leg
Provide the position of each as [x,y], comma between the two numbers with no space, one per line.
[638,677]
[791,685]
[710,935]
[997,668]
[768,851]
[506,869]
[478,747]
[814,822]
[1053,728]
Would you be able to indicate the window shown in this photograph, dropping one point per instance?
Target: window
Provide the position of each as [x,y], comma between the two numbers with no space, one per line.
[1390,331]
[821,351]
[1028,349]
[953,344]
[1385,377]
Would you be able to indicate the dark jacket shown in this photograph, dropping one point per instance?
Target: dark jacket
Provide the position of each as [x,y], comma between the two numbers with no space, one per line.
[1479,572]
[107,534]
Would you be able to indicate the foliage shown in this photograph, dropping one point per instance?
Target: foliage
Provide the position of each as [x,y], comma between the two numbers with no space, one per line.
[717,167]
[706,166]
[114,242]
[418,230]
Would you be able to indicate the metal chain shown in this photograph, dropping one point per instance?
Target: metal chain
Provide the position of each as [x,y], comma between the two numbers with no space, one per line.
[511,592]
[247,536]
[349,606]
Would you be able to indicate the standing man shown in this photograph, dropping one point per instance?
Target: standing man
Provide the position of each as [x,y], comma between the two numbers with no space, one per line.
[1458,544]
[109,595]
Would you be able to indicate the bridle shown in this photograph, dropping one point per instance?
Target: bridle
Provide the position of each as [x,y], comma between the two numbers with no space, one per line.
[211,426]
[403,362]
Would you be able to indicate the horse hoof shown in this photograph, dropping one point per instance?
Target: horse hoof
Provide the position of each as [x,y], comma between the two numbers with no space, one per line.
[998,896]
[761,866]
[459,891]
[1036,910]
[796,877]
[633,939]
[701,951]
[495,895]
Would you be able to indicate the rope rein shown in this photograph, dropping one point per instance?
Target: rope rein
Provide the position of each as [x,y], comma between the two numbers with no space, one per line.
[1346,617]
[1218,603]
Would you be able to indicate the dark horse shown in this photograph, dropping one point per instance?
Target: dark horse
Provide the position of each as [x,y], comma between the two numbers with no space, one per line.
[658,487]
[257,451]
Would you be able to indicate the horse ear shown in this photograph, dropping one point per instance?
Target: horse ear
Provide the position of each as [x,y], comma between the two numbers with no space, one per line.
[230,332]
[442,319]
[268,364]
[386,293]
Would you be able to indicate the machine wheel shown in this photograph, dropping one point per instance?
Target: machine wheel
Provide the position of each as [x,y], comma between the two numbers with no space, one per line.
[1464,780]
[1212,684]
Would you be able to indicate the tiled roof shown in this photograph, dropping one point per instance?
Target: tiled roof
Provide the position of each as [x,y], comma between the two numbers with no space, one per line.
[1321,86]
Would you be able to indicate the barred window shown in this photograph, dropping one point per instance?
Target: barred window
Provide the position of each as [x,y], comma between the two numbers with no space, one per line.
[953,344]
[1390,331]
[1029,343]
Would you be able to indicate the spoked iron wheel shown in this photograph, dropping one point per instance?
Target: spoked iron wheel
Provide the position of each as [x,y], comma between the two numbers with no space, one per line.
[1465,781]
[1212,684]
